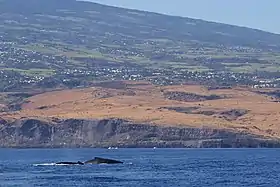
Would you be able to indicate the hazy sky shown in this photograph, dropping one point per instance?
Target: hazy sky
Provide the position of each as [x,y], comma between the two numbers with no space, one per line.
[260,14]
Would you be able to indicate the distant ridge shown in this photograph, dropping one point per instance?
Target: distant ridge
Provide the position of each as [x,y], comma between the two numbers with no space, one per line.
[136,21]
[177,16]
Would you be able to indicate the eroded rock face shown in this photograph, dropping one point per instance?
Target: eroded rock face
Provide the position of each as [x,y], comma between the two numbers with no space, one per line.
[118,132]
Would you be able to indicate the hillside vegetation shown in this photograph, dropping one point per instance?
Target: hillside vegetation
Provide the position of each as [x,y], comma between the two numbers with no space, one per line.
[86,35]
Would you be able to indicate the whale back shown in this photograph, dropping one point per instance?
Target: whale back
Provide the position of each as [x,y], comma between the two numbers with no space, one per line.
[99,160]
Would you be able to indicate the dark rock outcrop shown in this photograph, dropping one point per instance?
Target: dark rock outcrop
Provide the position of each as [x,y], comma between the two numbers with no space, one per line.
[121,133]
[190,97]
[274,94]
[229,115]
[2,121]
[233,114]
[185,110]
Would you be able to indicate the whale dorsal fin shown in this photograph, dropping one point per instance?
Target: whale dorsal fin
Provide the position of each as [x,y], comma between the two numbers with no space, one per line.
[90,161]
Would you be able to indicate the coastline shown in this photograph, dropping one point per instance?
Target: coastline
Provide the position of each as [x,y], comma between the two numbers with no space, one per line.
[79,133]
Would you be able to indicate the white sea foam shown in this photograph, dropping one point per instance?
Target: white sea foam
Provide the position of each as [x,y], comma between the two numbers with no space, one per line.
[49,164]
[44,164]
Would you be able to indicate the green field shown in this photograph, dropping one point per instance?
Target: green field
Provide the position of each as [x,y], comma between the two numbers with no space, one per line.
[32,72]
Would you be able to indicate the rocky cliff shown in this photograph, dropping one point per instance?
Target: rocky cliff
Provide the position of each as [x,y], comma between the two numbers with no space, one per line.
[118,132]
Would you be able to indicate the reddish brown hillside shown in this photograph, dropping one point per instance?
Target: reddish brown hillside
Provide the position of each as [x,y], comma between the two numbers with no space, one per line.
[189,105]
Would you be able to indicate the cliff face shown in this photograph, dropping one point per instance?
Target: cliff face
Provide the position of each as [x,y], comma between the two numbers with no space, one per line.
[117,132]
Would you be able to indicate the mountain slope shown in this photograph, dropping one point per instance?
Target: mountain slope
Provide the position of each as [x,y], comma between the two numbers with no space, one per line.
[68,43]
[50,47]
[81,32]
[94,18]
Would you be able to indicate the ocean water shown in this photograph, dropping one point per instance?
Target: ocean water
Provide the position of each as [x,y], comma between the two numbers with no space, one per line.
[142,167]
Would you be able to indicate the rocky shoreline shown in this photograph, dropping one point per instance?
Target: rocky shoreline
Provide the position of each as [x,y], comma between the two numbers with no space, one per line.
[71,133]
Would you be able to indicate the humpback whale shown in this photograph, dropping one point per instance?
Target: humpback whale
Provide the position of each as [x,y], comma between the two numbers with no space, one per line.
[96,160]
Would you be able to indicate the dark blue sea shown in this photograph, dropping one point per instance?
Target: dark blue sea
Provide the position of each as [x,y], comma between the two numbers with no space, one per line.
[142,167]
